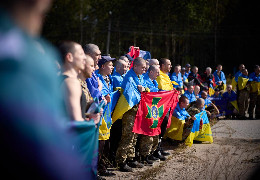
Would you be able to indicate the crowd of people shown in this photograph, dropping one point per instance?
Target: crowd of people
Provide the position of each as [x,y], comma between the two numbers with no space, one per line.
[38,100]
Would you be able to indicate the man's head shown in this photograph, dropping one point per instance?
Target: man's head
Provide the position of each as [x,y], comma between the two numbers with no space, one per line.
[121,66]
[204,95]
[154,62]
[195,69]
[200,103]
[190,88]
[187,67]
[196,90]
[89,67]
[124,58]
[183,102]
[219,67]
[28,14]
[208,70]
[139,66]
[177,69]
[154,72]
[106,65]
[165,65]
[217,91]
[93,51]
[257,70]
[244,72]
[183,70]
[229,88]
[72,55]
[241,67]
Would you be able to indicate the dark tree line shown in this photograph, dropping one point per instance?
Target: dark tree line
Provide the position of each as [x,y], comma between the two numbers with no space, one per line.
[191,31]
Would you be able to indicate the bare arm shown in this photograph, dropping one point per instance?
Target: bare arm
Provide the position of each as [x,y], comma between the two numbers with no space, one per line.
[74,92]
[215,107]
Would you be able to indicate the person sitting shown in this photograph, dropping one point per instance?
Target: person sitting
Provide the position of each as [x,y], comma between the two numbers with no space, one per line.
[176,77]
[194,78]
[190,94]
[197,92]
[181,121]
[231,98]
[208,78]
[220,78]
[211,108]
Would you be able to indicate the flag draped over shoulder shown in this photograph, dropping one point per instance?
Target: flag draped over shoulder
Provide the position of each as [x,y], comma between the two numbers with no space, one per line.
[87,145]
[152,110]
[211,90]
[130,96]
[164,82]
[106,120]
[201,130]
[242,81]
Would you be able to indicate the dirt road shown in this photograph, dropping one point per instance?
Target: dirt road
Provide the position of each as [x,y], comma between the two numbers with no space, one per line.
[234,154]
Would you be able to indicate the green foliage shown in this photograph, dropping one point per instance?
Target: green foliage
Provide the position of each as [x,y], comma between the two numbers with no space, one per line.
[177,29]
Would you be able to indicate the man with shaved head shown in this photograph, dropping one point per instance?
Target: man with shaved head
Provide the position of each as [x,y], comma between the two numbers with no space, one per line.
[121,68]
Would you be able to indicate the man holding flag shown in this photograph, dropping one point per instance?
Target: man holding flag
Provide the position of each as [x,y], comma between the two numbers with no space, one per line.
[127,106]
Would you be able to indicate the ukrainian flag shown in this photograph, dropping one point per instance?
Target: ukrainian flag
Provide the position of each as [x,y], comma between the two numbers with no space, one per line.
[201,130]
[234,83]
[130,96]
[164,82]
[175,131]
[242,81]
[106,120]
[211,90]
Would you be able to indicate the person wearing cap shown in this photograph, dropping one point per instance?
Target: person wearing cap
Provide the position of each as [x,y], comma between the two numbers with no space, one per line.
[187,69]
[220,78]
[104,74]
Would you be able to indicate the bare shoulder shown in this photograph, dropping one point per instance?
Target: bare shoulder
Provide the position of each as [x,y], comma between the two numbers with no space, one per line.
[72,84]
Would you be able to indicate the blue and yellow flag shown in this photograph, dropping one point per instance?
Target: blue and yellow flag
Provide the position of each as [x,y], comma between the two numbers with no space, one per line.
[211,90]
[106,120]
[201,130]
[164,82]
[130,96]
[175,131]
[242,82]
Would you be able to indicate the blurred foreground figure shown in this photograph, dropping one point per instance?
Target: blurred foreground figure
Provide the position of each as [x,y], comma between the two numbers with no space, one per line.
[34,141]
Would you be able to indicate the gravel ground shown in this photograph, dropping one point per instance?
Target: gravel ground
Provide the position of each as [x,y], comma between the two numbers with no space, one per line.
[234,154]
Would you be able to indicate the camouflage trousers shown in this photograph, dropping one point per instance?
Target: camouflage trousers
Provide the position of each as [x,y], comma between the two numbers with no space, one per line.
[126,148]
[243,101]
[148,144]
[254,104]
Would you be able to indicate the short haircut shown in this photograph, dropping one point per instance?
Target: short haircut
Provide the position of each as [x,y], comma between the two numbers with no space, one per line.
[152,61]
[199,101]
[152,68]
[90,48]
[66,47]
[183,98]
[119,62]
[194,67]
[189,85]
[163,61]
[138,61]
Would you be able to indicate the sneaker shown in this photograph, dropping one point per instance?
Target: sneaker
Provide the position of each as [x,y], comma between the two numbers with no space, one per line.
[134,164]
[159,155]
[125,168]
[145,160]
[153,158]
[164,153]
[106,173]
